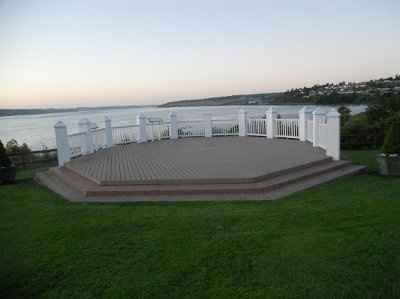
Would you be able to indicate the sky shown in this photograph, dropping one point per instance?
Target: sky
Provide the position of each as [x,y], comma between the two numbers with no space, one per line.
[71,53]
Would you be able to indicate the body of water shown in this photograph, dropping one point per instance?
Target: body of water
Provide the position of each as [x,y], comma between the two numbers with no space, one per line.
[38,132]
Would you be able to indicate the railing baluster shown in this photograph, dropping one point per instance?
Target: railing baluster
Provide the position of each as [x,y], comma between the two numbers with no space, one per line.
[287,128]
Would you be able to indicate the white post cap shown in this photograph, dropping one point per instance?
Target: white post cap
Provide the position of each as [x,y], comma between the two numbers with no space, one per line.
[318,111]
[306,109]
[333,113]
[271,110]
[60,124]
[107,118]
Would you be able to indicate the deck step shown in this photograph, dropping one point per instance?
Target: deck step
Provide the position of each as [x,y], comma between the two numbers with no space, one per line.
[185,188]
[58,185]
[238,196]
[75,187]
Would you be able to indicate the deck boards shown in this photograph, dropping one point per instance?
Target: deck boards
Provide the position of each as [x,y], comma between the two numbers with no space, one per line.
[194,159]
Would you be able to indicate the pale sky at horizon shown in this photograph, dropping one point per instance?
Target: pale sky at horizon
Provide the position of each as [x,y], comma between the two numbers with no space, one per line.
[93,52]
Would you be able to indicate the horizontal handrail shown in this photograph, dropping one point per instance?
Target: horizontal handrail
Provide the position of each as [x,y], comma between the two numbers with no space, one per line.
[77,134]
[126,126]
[190,121]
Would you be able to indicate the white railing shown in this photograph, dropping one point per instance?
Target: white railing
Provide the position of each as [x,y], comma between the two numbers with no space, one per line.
[225,127]
[99,138]
[287,128]
[75,143]
[124,134]
[318,127]
[257,127]
[157,131]
[191,128]
[323,135]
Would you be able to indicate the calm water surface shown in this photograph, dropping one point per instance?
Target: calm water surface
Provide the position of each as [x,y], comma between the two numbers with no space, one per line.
[37,130]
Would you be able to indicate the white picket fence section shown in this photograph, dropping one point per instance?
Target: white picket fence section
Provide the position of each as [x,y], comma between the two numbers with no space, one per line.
[75,142]
[124,134]
[287,128]
[318,127]
[157,131]
[257,127]
[225,127]
[191,128]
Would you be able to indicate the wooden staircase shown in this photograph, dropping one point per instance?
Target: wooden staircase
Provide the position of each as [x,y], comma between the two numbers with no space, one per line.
[76,187]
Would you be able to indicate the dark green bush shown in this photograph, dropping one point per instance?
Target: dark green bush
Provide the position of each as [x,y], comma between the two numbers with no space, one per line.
[382,110]
[392,139]
[367,130]
[359,133]
[4,159]
[13,147]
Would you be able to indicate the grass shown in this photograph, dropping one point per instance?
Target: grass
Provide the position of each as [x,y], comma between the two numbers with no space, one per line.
[27,173]
[363,157]
[339,240]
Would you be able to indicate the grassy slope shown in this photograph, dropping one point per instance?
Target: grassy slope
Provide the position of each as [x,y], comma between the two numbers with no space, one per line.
[340,240]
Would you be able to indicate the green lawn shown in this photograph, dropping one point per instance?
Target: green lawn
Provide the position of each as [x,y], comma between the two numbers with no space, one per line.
[340,240]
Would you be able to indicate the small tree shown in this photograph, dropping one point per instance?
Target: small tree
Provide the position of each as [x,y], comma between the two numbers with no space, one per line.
[4,159]
[12,147]
[392,140]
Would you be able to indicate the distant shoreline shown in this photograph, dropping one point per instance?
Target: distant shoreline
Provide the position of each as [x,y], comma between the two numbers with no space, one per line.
[263,104]
[195,103]
[254,100]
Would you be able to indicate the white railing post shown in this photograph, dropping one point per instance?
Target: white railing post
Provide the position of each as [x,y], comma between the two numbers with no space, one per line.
[173,125]
[141,122]
[89,137]
[318,116]
[271,116]
[63,149]
[333,131]
[304,115]
[207,117]
[242,122]
[86,138]
[82,126]
[108,131]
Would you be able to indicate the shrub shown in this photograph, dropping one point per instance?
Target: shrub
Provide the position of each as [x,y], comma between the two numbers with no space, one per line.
[4,159]
[20,154]
[359,133]
[12,147]
[382,110]
[392,139]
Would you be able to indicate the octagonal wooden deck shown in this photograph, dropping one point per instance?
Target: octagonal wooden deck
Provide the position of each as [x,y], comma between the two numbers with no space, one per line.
[195,168]
[195,160]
